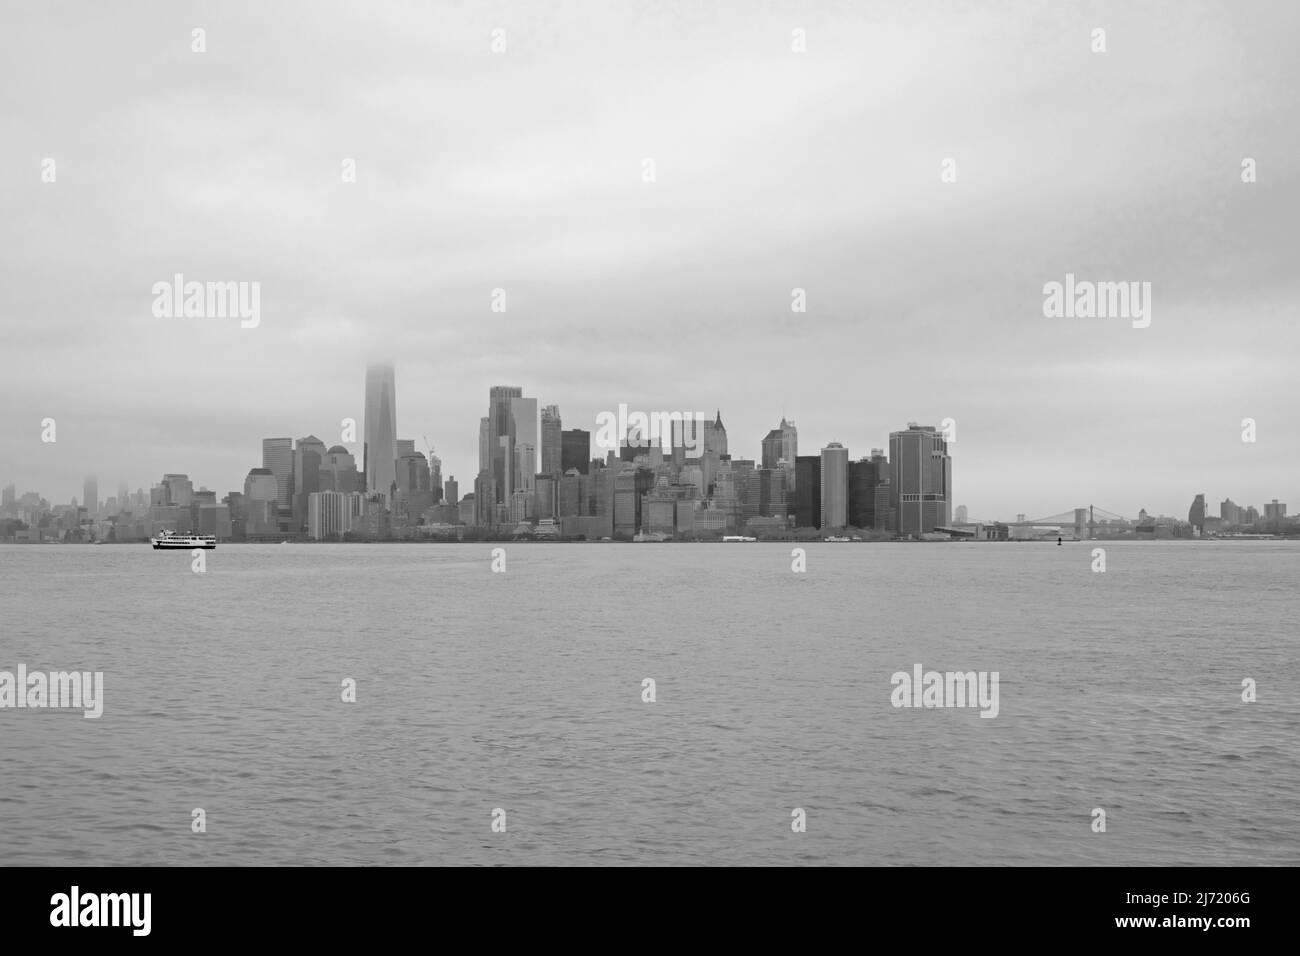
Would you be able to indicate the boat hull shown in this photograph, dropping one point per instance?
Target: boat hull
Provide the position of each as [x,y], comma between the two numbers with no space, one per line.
[184,546]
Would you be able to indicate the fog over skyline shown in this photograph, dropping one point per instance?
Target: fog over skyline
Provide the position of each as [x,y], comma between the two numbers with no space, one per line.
[774,170]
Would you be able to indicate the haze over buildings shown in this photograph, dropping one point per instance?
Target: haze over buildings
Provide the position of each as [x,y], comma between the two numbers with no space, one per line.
[775,171]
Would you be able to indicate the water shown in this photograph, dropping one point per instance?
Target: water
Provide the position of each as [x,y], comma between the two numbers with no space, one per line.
[523,691]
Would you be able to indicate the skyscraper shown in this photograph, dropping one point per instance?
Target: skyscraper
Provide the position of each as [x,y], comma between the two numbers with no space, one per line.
[715,449]
[781,446]
[501,437]
[523,432]
[260,492]
[771,448]
[435,476]
[277,457]
[835,486]
[808,491]
[863,478]
[552,441]
[380,451]
[338,471]
[308,458]
[90,495]
[921,486]
[575,450]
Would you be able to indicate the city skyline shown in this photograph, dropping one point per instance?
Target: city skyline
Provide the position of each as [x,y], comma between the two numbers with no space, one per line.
[381,395]
[772,172]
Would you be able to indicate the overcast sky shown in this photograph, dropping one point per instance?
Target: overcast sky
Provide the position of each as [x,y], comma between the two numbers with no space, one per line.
[523,170]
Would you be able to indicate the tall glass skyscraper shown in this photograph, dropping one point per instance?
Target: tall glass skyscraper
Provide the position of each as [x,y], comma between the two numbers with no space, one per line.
[380,451]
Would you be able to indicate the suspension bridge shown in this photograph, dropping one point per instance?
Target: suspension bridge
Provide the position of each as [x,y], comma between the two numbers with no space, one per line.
[1084,522]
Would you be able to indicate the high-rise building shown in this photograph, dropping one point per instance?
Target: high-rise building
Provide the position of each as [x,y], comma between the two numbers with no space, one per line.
[380,451]
[501,439]
[90,495]
[178,490]
[921,479]
[1196,513]
[1273,511]
[277,456]
[789,444]
[961,514]
[544,495]
[261,494]
[9,496]
[863,479]
[451,491]
[781,446]
[338,471]
[808,491]
[630,485]
[575,450]
[525,467]
[484,444]
[435,476]
[1229,512]
[412,471]
[330,514]
[552,442]
[715,448]
[484,495]
[767,494]
[523,433]
[772,448]
[835,486]
[308,459]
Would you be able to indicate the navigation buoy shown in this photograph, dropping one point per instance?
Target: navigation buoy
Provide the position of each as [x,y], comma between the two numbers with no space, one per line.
[1058,540]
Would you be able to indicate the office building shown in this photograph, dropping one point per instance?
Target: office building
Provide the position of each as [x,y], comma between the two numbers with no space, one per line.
[921,479]
[808,491]
[551,442]
[90,495]
[380,450]
[575,450]
[835,486]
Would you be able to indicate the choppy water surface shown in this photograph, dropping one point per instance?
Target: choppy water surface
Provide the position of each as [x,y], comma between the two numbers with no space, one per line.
[523,691]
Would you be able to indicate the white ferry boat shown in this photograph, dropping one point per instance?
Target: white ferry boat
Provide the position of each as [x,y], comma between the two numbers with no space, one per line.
[837,537]
[737,537]
[169,539]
